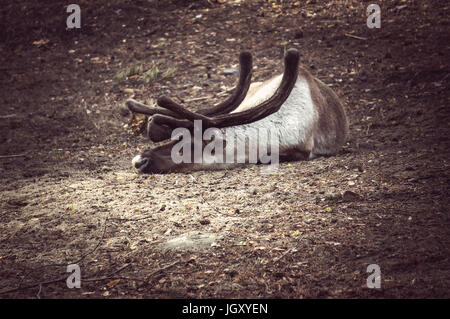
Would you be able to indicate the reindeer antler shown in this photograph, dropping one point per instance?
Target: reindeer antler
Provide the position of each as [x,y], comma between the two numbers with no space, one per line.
[266,108]
[157,132]
[239,93]
[172,115]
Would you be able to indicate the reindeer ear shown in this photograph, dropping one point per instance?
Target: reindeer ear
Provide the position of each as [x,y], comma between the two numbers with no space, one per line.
[157,132]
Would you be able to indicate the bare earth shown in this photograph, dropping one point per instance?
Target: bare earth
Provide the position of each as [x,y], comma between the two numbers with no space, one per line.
[308,231]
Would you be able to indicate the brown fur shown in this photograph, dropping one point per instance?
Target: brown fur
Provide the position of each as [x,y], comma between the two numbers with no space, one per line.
[331,127]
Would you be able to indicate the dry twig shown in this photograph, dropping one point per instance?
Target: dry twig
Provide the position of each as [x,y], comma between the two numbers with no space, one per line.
[13,155]
[354,36]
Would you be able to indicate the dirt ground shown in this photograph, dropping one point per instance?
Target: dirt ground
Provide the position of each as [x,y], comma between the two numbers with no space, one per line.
[68,193]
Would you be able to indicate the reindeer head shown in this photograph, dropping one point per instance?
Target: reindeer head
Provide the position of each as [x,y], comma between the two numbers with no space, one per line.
[170,118]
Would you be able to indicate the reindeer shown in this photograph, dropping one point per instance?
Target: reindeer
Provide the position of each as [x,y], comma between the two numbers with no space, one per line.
[304,114]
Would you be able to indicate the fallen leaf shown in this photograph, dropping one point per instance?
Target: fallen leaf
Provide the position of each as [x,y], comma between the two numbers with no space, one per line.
[295,233]
[112,283]
[41,42]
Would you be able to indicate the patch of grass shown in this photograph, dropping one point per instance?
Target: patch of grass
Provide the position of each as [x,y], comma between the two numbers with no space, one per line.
[169,72]
[130,71]
[148,76]
[155,72]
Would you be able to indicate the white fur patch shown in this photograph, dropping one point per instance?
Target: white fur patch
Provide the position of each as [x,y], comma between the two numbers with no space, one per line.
[291,123]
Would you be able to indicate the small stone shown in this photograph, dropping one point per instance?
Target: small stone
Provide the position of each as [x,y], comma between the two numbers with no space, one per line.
[230,71]
[332,196]
[350,196]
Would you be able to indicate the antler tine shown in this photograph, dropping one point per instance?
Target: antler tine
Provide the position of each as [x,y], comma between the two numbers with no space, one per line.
[245,76]
[137,107]
[179,110]
[272,105]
